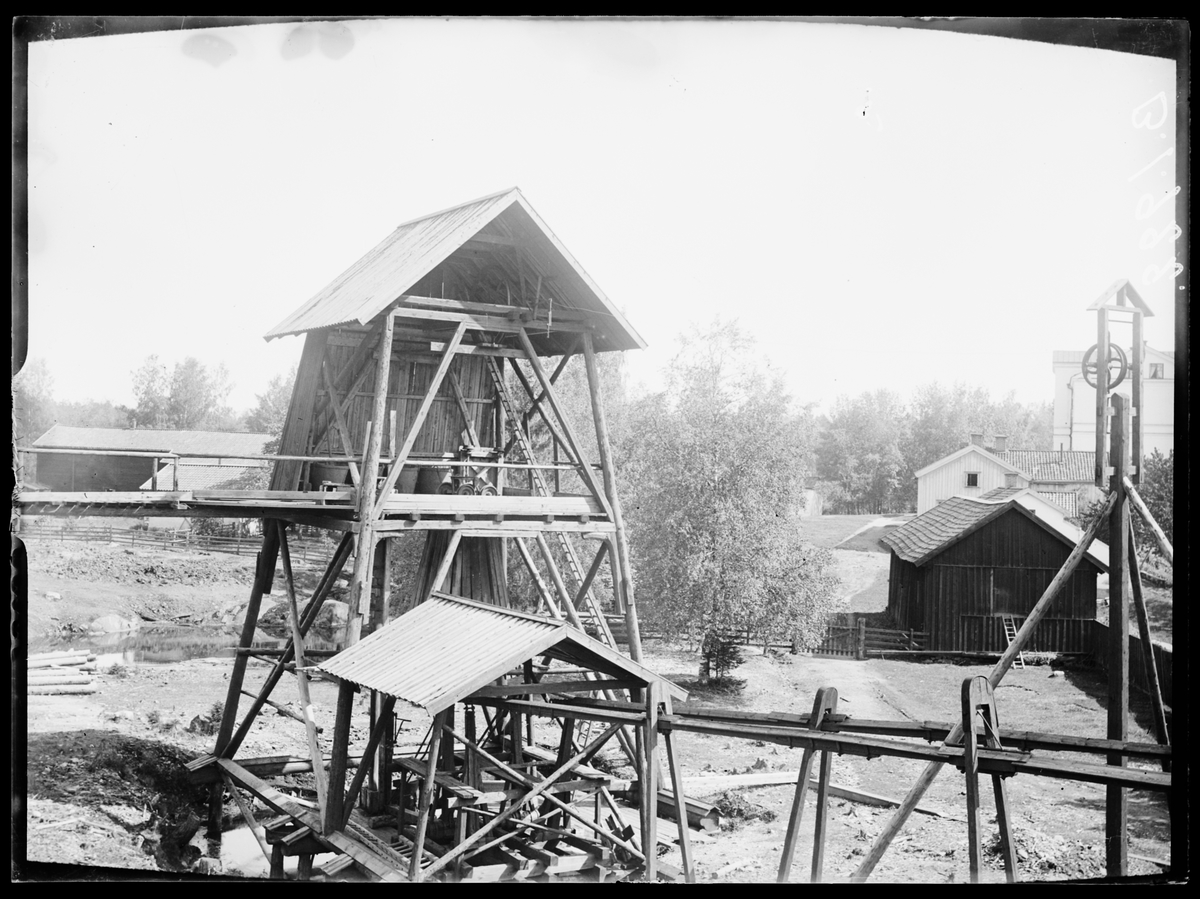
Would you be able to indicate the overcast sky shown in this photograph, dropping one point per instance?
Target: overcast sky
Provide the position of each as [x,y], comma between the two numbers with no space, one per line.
[878,207]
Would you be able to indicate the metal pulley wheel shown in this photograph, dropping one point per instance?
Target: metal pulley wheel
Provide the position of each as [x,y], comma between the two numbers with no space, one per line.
[1118,365]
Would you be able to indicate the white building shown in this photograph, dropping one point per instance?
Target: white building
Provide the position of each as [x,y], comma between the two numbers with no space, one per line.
[1075,401]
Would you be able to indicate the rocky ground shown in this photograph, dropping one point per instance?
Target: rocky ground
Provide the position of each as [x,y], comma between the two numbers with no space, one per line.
[103,772]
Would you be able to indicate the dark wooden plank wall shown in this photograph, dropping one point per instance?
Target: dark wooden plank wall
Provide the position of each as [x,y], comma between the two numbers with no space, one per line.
[96,472]
[1002,569]
[409,379]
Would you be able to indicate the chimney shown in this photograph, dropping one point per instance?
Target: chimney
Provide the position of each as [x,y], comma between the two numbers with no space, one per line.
[1001,441]
[977,440]
[1012,479]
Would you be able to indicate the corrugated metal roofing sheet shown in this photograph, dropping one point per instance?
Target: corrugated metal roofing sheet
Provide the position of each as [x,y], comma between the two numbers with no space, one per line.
[445,649]
[417,247]
[227,443]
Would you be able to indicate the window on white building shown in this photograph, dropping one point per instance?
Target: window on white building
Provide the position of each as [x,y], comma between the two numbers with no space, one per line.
[972,479]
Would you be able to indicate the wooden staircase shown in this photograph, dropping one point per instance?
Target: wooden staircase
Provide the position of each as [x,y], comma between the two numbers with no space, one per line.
[590,612]
[1010,634]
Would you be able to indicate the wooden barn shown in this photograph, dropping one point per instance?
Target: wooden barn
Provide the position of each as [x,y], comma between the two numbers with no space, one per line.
[961,569]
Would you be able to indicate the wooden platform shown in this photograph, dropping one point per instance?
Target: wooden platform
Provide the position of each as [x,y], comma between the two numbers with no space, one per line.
[335,509]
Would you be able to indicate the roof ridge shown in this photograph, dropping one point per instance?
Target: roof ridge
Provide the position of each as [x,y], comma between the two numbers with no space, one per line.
[482,199]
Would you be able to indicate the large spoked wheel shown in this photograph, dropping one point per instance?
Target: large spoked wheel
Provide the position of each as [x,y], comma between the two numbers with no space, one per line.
[1118,365]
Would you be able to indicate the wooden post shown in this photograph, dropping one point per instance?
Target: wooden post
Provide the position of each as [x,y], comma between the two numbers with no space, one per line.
[826,699]
[861,650]
[609,471]
[381,729]
[337,764]
[1148,661]
[1135,440]
[1101,391]
[685,845]
[426,796]
[1040,608]
[828,707]
[306,707]
[266,559]
[276,872]
[979,699]
[1116,815]
[360,579]
[648,775]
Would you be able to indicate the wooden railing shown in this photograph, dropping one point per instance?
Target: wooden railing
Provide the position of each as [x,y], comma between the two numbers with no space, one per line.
[179,541]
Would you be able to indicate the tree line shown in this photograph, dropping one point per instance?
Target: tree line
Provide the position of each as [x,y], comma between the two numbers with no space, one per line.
[189,396]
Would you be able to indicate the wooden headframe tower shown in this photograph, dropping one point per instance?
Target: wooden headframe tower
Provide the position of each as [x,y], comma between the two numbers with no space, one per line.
[420,375]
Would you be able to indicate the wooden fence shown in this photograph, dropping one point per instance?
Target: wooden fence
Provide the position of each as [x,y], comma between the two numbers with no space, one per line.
[179,541]
[1137,667]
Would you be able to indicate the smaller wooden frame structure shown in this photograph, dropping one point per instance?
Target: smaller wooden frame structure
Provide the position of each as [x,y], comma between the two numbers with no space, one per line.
[482,800]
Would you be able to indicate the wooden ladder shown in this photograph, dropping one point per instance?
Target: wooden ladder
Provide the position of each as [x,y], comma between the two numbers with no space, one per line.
[591,613]
[1010,634]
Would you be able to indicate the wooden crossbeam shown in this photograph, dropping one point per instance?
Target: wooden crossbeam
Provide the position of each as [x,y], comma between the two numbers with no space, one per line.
[340,422]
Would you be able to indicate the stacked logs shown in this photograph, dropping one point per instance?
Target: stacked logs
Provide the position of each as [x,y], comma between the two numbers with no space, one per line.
[66,671]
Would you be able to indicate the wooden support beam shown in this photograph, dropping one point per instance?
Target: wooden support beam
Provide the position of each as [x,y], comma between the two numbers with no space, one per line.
[342,429]
[1164,545]
[824,704]
[681,816]
[1117,805]
[536,789]
[360,579]
[443,569]
[825,771]
[461,401]
[334,815]
[1148,660]
[978,700]
[543,590]
[306,707]
[648,775]
[310,615]
[1040,608]
[248,816]
[592,571]
[621,558]
[370,758]
[419,419]
[425,800]
[572,444]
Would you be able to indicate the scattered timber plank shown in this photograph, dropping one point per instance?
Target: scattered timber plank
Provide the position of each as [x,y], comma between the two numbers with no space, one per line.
[716,783]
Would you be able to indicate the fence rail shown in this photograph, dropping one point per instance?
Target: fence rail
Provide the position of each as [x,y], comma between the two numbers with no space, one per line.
[179,541]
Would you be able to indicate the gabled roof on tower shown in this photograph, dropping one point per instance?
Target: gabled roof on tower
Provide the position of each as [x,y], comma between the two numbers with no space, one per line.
[497,243]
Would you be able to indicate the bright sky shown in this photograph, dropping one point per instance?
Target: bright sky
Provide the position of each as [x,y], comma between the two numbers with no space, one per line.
[878,207]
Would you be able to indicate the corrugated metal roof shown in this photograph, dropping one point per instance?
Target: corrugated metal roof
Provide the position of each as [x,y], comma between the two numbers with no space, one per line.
[227,443]
[417,247]
[917,541]
[447,648]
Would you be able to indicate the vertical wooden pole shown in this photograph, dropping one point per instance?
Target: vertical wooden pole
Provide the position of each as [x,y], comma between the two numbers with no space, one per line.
[337,764]
[360,579]
[685,844]
[825,771]
[1136,412]
[971,771]
[266,560]
[276,872]
[426,798]
[610,488]
[1116,817]
[306,707]
[1101,391]
[649,781]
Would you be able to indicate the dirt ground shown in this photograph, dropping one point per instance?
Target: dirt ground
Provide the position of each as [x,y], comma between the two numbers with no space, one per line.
[104,789]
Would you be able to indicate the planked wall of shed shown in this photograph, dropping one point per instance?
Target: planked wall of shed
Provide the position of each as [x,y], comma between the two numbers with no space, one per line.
[960,596]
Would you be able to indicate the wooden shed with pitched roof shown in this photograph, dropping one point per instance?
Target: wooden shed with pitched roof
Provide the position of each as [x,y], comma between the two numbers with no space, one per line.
[958,570]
